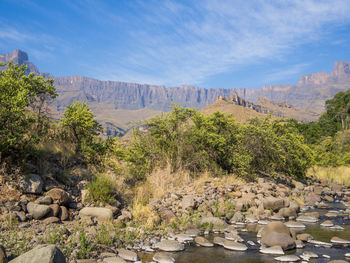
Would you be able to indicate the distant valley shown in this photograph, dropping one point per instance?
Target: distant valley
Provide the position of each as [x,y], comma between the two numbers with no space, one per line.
[120,105]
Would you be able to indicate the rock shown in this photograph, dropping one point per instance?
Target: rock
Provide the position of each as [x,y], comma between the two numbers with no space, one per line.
[38,211]
[183,238]
[192,232]
[163,257]
[98,212]
[3,257]
[307,219]
[312,199]
[188,202]
[203,242]
[51,220]
[310,254]
[273,203]
[275,250]
[277,234]
[304,237]
[288,258]
[339,240]
[166,214]
[329,198]
[219,241]
[338,261]
[327,223]
[86,261]
[113,260]
[233,237]
[58,196]
[170,246]
[288,212]
[41,254]
[55,209]
[63,214]
[32,184]
[299,244]
[44,200]
[293,224]
[320,243]
[232,245]
[128,254]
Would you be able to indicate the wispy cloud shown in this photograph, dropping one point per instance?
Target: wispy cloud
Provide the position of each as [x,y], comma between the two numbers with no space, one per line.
[286,73]
[188,43]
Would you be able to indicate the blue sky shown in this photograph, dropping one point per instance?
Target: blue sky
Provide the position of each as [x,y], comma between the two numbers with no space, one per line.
[211,44]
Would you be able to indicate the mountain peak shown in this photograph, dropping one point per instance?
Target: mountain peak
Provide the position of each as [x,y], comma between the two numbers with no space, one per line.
[341,70]
[19,57]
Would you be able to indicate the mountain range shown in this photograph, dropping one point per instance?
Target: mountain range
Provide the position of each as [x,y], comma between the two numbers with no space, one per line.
[119,105]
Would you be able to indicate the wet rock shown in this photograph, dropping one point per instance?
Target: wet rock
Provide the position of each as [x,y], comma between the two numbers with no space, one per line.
[41,254]
[232,245]
[310,254]
[98,212]
[58,196]
[127,254]
[288,258]
[38,211]
[203,242]
[32,184]
[327,223]
[293,224]
[170,246]
[163,257]
[275,250]
[339,240]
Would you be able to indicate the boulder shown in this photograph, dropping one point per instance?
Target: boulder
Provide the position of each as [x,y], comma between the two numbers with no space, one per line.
[98,212]
[63,214]
[219,241]
[277,234]
[113,260]
[304,237]
[58,196]
[38,211]
[44,200]
[3,257]
[128,254]
[273,203]
[55,210]
[41,254]
[166,214]
[170,246]
[32,184]
[188,202]
[163,257]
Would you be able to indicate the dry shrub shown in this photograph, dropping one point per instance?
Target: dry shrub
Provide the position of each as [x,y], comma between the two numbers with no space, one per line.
[340,174]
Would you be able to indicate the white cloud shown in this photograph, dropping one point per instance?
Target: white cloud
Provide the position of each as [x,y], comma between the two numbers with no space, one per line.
[186,44]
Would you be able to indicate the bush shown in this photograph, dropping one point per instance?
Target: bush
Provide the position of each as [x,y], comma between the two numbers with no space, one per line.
[101,190]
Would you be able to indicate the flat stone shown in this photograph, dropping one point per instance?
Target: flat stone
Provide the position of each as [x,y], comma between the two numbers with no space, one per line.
[38,211]
[51,220]
[170,246]
[293,224]
[327,223]
[98,212]
[192,232]
[307,219]
[275,250]
[219,241]
[203,242]
[163,257]
[232,245]
[113,260]
[339,240]
[128,254]
[320,243]
[233,237]
[288,258]
[41,254]
[310,254]
[183,238]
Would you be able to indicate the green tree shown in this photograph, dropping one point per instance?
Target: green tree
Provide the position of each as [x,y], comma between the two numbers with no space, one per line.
[79,121]
[19,92]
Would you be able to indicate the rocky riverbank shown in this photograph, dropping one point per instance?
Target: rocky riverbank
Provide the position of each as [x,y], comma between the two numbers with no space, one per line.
[59,221]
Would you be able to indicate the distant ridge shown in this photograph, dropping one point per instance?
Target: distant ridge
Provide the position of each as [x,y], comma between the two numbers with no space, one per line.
[113,100]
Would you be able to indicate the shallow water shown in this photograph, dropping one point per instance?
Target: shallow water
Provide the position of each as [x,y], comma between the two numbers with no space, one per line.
[218,254]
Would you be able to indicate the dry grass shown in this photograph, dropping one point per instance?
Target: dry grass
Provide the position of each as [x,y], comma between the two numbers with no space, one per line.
[339,174]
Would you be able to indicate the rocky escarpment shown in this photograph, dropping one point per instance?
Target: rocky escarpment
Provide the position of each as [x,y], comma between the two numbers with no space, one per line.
[309,93]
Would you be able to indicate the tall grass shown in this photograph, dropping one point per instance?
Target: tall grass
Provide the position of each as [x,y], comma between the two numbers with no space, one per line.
[340,174]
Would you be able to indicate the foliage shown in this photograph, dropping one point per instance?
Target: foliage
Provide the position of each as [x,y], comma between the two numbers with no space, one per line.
[101,190]
[79,121]
[19,128]
[189,140]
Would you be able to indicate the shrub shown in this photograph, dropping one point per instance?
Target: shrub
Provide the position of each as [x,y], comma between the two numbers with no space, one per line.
[101,190]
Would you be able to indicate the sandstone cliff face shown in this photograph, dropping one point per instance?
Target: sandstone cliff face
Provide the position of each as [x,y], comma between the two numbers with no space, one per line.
[309,93]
